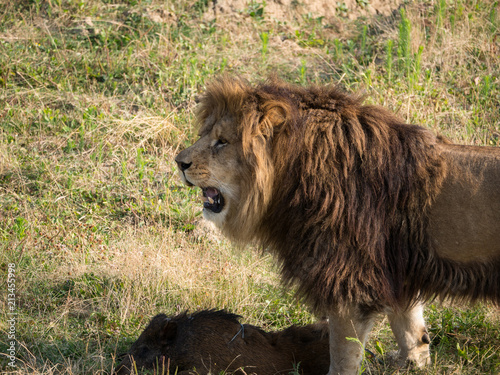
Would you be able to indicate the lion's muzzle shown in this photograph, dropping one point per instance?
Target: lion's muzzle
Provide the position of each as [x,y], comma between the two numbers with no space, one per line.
[213,200]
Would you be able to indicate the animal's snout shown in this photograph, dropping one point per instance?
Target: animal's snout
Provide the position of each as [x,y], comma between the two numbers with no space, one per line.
[183,165]
[183,160]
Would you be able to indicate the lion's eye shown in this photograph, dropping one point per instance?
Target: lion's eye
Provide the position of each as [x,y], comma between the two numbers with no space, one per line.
[220,143]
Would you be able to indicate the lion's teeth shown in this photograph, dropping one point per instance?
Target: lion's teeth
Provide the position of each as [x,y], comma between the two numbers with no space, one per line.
[210,200]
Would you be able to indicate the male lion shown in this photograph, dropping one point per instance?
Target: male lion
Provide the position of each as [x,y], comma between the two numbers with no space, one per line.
[365,213]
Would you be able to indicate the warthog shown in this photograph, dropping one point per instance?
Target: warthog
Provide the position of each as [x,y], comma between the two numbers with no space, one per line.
[212,341]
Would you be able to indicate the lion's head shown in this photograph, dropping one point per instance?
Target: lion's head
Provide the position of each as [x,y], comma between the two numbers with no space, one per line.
[231,160]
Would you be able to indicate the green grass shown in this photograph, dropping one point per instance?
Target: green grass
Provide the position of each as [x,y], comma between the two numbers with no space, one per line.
[96,98]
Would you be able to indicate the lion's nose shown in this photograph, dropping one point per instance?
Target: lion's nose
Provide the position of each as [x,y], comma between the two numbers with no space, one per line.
[182,165]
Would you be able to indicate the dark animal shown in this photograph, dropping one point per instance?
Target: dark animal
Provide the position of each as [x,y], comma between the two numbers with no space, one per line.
[365,213]
[213,341]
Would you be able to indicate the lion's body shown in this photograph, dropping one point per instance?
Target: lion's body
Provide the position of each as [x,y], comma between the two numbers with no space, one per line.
[465,216]
[364,212]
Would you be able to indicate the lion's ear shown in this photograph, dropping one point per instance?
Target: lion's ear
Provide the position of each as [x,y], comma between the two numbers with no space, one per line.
[275,114]
[261,124]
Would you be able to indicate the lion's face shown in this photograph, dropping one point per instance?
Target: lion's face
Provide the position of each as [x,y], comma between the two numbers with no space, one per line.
[215,164]
[232,161]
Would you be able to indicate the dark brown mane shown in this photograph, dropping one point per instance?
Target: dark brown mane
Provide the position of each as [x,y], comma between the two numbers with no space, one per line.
[349,174]
[350,189]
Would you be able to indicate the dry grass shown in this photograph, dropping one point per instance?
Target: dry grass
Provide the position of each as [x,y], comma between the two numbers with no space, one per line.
[96,99]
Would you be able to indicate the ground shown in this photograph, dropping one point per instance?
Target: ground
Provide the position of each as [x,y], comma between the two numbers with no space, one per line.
[96,99]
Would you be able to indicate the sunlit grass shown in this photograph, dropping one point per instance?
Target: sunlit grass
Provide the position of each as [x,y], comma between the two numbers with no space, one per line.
[96,99]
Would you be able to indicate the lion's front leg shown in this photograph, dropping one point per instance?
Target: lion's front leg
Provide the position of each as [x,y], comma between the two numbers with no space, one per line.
[412,337]
[348,333]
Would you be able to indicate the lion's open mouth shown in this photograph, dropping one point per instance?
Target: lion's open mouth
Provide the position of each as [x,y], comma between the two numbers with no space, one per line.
[213,199]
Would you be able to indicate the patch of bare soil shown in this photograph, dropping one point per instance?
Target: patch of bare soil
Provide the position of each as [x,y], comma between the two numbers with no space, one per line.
[289,10]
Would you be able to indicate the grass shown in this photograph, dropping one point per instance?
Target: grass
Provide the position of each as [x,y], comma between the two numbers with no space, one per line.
[96,98]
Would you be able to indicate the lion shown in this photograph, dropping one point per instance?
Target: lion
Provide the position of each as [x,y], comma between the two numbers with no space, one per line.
[365,214]
[214,341]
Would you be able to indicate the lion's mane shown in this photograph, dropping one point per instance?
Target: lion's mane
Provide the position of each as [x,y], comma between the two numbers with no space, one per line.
[340,192]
